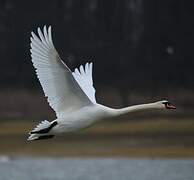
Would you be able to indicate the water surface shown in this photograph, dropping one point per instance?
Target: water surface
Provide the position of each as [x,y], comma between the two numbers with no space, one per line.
[95,169]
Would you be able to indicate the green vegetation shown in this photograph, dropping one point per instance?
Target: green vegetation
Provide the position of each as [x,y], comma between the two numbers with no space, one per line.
[146,138]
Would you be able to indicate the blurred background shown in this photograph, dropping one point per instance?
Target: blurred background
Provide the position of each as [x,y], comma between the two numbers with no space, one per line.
[142,52]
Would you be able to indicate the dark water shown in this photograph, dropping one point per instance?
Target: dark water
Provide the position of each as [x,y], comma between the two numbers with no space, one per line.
[95,169]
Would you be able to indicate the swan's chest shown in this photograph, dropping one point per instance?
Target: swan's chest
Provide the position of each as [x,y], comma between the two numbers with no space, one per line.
[73,124]
[80,120]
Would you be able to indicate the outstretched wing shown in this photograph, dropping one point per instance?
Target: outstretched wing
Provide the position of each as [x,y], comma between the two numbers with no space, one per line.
[63,92]
[84,78]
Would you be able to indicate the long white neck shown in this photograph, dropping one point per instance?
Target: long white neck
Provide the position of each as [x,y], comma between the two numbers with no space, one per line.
[136,108]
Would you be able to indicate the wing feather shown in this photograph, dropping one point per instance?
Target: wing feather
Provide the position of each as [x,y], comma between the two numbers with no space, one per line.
[84,78]
[63,92]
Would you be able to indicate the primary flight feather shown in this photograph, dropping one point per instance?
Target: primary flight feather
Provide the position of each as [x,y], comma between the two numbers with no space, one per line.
[70,94]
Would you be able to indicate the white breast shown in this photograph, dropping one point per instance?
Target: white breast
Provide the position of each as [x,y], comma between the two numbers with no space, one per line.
[82,118]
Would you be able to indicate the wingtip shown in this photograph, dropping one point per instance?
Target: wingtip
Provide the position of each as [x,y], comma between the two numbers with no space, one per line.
[40,30]
[32,33]
[82,71]
[44,29]
[76,71]
[91,65]
[50,34]
[47,27]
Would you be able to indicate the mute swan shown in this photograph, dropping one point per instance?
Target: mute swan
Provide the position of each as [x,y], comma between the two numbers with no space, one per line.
[70,94]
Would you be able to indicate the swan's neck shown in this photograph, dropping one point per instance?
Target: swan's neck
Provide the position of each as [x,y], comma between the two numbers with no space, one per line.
[136,108]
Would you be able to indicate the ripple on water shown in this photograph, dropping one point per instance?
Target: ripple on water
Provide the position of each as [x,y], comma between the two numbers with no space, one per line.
[95,169]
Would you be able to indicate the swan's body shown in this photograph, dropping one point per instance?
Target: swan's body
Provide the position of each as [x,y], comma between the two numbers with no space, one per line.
[70,94]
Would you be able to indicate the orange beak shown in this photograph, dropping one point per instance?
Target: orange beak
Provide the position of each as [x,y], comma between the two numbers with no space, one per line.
[170,106]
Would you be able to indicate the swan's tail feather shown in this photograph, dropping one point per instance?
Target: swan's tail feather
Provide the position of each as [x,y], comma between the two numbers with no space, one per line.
[42,130]
[44,127]
[33,137]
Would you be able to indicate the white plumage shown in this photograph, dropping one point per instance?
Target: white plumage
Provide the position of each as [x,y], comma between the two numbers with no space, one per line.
[83,76]
[63,92]
[41,125]
[70,94]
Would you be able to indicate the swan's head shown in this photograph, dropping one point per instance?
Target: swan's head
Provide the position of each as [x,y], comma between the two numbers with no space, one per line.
[165,104]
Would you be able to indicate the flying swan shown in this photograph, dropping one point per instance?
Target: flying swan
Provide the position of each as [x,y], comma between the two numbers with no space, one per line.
[70,94]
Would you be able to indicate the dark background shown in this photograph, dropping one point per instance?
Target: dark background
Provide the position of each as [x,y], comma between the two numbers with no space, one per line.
[142,47]
[142,52]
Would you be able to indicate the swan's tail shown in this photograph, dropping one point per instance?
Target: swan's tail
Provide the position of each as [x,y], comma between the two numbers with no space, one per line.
[33,137]
[42,131]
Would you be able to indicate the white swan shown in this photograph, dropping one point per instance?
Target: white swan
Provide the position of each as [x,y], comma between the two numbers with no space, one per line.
[70,94]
